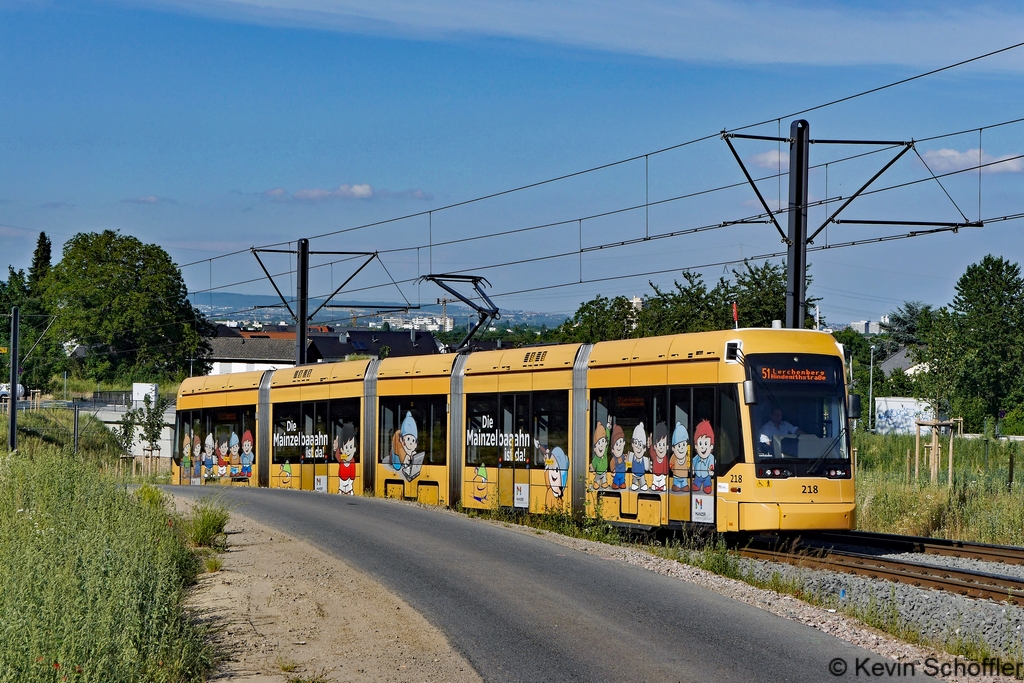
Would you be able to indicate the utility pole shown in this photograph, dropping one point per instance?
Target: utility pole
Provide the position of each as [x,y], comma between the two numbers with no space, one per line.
[302,303]
[301,312]
[796,262]
[444,313]
[12,398]
[871,393]
[797,239]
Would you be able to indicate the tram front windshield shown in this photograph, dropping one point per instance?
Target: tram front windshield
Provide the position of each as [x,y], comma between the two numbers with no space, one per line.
[800,414]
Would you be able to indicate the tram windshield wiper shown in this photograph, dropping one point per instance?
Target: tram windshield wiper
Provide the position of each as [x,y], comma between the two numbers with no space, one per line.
[821,458]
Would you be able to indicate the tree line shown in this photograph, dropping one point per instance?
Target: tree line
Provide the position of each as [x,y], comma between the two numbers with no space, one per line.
[113,309]
[967,356]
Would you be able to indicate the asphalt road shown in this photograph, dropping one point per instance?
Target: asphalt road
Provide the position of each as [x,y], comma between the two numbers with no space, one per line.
[521,608]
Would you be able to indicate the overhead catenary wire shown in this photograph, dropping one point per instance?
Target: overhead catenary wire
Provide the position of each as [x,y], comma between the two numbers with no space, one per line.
[637,157]
[582,250]
[979,168]
[648,273]
[669,199]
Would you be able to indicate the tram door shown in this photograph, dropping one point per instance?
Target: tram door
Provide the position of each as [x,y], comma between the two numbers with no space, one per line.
[702,456]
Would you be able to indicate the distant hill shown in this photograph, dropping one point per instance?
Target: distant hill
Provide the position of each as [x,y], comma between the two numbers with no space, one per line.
[237,306]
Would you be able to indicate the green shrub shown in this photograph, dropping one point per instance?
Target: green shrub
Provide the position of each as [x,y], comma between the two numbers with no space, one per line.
[152,497]
[205,525]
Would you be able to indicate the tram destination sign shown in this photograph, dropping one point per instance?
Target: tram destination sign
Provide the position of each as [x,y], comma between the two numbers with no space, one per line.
[772,374]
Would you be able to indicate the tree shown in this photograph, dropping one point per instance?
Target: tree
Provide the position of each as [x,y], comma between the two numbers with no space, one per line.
[40,267]
[947,359]
[126,303]
[150,418]
[600,319]
[989,324]
[907,323]
[760,294]
[124,432]
[40,354]
[692,307]
[759,291]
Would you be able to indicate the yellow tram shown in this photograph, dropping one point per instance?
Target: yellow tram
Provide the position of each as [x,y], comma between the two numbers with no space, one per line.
[744,430]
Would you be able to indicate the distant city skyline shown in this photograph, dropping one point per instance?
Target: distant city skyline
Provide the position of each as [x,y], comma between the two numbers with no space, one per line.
[211,126]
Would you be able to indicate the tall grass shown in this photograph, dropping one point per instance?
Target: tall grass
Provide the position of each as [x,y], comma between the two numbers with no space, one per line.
[205,526]
[91,577]
[588,528]
[55,426]
[978,507]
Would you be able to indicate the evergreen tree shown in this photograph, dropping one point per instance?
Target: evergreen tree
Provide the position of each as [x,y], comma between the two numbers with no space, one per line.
[40,267]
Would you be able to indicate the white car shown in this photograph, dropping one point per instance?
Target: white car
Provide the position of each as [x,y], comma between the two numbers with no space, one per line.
[5,391]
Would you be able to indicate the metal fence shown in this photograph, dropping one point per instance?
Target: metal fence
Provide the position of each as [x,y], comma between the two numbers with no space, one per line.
[110,398]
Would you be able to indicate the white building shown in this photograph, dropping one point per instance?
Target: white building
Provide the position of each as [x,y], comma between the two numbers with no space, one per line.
[428,323]
[867,326]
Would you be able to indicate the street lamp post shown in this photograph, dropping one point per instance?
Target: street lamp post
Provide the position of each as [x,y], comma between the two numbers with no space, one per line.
[871,392]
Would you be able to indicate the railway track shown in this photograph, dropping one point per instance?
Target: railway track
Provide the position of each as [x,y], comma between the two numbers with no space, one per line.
[819,552]
[920,544]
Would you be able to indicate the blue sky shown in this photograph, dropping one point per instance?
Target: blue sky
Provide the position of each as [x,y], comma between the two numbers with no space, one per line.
[208,126]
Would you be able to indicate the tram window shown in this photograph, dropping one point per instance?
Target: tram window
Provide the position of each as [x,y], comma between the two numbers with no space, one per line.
[550,424]
[728,445]
[247,442]
[197,439]
[634,407]
[514,441]
[703,405]
[422,417]
[438,445]
[286,433]
[182,437]
[344,414]
[315,432]
[681,410]
[482,428]
[225,435]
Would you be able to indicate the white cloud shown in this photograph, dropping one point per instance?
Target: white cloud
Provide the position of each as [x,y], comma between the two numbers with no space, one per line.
[314,195]
[363,191]
[945,160]
[275,192]
[771,159]
[151,199]
[695,30]
[344,191]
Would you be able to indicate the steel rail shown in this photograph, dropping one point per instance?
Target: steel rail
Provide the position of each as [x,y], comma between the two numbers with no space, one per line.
[952,580]
[987,552]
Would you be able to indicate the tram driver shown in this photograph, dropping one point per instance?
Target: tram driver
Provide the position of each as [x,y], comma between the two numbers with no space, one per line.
[775,426]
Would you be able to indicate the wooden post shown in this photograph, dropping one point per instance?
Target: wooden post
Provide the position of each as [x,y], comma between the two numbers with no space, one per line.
[917,454]
[933,461]
[950,483]
[1009,478]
